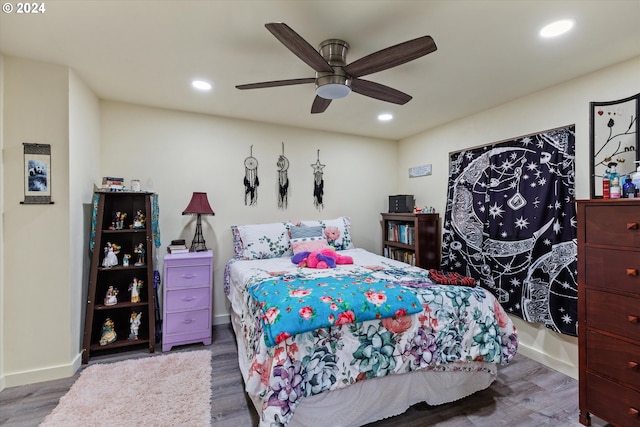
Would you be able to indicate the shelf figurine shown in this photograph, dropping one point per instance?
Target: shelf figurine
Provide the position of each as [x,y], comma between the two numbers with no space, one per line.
[135,288]
[118,220]
[139,219]
[108,332]
[134,323]
[125,260]
[110,255]
[111,298]
[139,251]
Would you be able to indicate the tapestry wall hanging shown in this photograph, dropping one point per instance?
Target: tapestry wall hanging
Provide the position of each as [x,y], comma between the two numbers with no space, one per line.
[251,181]
[510,223]
[318,183]
[283,180]
[614,138]
[37,174]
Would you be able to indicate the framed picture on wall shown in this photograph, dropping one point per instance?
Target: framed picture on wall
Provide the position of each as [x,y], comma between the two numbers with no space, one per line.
[37,174]
[614,139]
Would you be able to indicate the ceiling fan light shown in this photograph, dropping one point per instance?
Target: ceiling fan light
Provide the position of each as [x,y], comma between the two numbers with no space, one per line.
[333,91]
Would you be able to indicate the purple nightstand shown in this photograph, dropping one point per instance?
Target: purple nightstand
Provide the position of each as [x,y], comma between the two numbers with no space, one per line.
[188,286]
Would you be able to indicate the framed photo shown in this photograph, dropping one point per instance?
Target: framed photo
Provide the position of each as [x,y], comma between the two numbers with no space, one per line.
[37,174]
[614,139]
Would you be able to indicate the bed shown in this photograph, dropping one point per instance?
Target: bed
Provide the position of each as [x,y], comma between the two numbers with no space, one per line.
[360,342]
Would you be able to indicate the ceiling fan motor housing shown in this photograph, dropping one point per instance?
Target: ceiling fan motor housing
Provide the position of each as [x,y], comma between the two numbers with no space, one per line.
[336,84]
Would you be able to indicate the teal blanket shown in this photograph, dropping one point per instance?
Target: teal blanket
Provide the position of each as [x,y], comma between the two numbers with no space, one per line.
[292,306]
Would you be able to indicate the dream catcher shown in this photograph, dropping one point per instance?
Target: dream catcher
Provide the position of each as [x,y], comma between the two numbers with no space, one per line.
[283,180]
[318,183]
[251,179]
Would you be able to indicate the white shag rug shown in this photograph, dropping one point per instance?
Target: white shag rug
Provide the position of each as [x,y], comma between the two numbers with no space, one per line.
[164,390]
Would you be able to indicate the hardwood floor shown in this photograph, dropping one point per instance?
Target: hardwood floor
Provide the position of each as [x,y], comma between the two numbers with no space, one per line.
[526,394]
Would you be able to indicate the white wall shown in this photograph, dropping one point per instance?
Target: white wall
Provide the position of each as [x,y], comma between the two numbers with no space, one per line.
[84,169]
[2,381]
[554,107]
[175,153]
[36,308]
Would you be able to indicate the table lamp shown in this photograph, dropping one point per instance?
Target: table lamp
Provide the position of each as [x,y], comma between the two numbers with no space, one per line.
[199,205]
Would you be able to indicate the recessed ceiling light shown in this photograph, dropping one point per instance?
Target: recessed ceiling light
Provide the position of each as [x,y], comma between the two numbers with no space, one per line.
[556,28]
[201,85]
[385,117]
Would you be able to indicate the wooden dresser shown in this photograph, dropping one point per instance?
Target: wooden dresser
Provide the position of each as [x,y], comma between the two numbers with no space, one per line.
[187,294]
[609,310]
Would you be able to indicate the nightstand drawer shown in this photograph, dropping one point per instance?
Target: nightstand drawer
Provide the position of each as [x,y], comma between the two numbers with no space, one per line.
[609,225]
[187,299]
[187,321]
[613,269]
[613,313]
[189,276]
[614,358]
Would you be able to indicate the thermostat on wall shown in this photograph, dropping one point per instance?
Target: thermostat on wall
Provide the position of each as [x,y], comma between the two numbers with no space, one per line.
[420,171]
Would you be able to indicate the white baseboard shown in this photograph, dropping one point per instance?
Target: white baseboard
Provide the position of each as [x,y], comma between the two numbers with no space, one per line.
[48,373]
[556,364]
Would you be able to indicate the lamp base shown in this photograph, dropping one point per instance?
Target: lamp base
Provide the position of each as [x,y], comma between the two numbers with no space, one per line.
[198,244]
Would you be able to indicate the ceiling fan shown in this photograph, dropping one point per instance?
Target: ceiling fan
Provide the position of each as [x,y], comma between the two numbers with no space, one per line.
[334,77]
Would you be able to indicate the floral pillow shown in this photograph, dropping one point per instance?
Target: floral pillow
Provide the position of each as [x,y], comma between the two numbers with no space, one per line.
[261,241]
[336,231]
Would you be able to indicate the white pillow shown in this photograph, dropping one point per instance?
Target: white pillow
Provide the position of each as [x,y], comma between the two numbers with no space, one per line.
[336,231]
[260,241]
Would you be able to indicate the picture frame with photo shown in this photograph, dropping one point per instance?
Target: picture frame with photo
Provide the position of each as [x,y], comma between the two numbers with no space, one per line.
[615,138]
[37,174]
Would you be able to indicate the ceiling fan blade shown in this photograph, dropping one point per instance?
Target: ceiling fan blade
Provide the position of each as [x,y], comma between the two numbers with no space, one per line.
[378,91]
[391,56]
[276,83]
[299,46]
[319,105]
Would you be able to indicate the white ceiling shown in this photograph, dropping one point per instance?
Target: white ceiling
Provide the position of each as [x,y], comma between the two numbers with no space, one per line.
[147,52]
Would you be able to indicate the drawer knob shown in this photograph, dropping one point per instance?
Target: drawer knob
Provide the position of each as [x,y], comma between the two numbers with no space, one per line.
[632,226]
[187,321]
[632,319]
[632,272]
[633,365]
[634,412]
[188,276]
[188,299]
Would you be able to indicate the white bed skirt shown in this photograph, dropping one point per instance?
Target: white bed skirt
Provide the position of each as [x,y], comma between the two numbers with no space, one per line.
[379,398]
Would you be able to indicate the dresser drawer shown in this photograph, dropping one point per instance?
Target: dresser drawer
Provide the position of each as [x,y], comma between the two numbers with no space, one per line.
[612,269]
[188,276]
[608,225]
[614,358]
[187,321]
[613,313]
[187,299]
[615,403]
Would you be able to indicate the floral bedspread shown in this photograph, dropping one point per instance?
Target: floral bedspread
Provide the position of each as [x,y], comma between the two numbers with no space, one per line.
[289,307]
[455,324]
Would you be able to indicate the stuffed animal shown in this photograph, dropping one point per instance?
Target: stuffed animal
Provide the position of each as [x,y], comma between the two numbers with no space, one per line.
[324,258]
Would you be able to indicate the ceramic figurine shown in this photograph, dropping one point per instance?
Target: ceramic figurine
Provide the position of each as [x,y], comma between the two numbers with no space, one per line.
[110,255]
[125,260]
[111,298]
[139,220]
[139,251]
[135,288]
[134,322]
[108,332]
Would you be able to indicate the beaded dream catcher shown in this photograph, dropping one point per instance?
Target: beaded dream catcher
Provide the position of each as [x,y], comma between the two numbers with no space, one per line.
[283,180]
[251,181]
[318,183]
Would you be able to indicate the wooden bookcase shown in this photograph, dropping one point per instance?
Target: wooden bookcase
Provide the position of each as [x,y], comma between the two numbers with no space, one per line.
[412,238]
[128,236]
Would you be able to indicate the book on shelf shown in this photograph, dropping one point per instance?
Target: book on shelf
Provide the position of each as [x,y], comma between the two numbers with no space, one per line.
[177,249]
